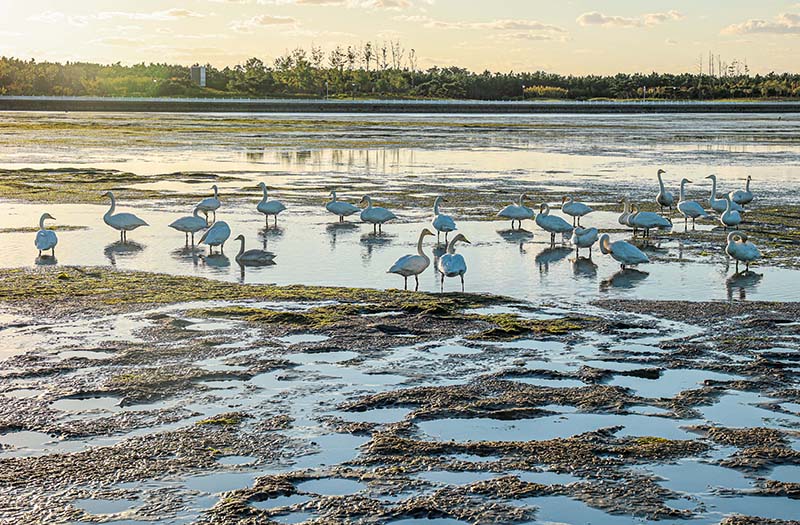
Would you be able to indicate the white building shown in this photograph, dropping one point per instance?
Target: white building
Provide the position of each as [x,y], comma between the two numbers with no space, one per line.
[199,75]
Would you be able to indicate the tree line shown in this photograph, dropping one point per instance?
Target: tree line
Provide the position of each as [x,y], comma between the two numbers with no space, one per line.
[371,70]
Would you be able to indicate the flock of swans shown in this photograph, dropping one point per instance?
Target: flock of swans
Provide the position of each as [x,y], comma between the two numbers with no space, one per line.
[451,264]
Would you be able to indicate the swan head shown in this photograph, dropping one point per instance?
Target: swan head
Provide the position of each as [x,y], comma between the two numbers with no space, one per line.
[737,236]
[425,233]
[365,198]
[565,198]
[685,181]
[605,244]
[661,172]
[108,194]
[749,178]
[544,209]
[439,199]
[47,216]
[712,177]
[239,237]
[460,237]
[260,185]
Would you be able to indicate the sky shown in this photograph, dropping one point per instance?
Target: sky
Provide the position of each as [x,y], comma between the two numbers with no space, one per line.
[566,36]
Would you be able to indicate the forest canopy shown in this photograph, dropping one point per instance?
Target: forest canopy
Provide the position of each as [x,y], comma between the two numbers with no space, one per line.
[372,71]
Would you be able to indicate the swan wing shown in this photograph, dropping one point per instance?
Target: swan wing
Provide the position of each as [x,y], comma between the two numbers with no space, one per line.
[444,223]
[46,239]
[627,253]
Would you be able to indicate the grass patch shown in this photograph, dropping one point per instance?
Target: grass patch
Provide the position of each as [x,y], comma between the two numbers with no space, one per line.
[511,326]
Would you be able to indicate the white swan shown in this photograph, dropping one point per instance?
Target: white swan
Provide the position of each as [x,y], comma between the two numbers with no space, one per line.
[340,208]
[269,207]
[665,199]
[553,224]
[740,249]
[46,239]
[730,218]
[689,209]
[452,264]
[623,252]
[441,222]
[719,205]
[190,224]
[576,210]
[252,257]
[123,222]
[375,214]
[216,236]
[585,238]
[743,197]
[210,204]
[412,264]
[517,211]
[647,220]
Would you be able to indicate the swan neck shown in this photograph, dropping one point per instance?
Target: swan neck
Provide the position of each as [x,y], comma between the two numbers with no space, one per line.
[263,189]
[747,186]
[113,205]
[419,245]
[241,246]
[41,222]
[333,196]
[436,206]
[660,182]
[713,188]
[369,202]
[683,190]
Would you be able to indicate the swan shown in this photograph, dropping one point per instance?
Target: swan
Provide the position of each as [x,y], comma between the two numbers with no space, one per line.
[216,236]
[46,239]
[341,208]
[731,217]
[719,205]
[268,207]
[412,264]
[452,264]
[210,204]
[441,222]
[647,220]
[190,224]
[743,197]
[740,249]
[517,212]
[553,224]
[574,209]
[665,199]
[375,215]
[252,257]
[689,208]
[623,252]
[124,222]
[585,238]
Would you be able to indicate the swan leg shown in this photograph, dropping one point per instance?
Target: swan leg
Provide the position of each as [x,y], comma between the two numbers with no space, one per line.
[437,236]
[374,228]
[462,283]
[192,238]
[53,251]
[222,248]
[416,279]
[276,220]
[441,284]
[405,283]
[40,253]
[445,237]
[737,266]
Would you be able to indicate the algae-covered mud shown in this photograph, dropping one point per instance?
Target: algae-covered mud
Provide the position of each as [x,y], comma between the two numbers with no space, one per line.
[148,382]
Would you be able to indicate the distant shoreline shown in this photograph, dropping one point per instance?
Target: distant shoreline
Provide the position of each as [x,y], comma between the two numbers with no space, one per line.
[212,105]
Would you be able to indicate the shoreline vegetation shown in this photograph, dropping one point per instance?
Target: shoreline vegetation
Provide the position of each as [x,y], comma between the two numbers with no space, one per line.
[378,73]
[218,105]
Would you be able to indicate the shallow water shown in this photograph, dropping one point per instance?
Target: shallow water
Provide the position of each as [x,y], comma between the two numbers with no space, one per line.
[618,153]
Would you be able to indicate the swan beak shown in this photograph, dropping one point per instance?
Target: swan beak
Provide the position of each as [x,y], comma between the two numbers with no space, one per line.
[690,182]
[466,240]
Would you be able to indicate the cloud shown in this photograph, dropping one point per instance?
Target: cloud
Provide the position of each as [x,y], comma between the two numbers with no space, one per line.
[595,18]
[57,17]
[783,24]
[509,25]
[394,5]
[247,26]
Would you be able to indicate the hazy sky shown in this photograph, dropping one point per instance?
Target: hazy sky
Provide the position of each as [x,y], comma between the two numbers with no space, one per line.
[569,36]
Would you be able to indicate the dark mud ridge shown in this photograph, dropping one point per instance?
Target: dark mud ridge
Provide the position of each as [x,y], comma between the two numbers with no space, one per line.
[152,397]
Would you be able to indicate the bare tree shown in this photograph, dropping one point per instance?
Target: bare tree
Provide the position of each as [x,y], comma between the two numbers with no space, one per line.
[412,59]
[384,56]
[317,56]
[367,53]
[351,58]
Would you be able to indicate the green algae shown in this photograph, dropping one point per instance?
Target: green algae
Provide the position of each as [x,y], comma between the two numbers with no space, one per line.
[124,288]
[512,326]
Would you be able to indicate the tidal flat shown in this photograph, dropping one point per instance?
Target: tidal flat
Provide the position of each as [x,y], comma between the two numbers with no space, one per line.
[150,382]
